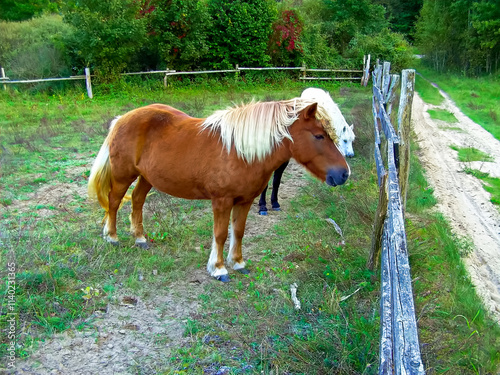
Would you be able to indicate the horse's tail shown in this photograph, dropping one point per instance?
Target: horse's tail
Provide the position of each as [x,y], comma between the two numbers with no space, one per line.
[99,184]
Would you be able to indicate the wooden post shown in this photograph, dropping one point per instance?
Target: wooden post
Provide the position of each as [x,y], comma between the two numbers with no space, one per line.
[378,226]
[3,76]
[88,83]
[404,129]
[385,79]
[391,94]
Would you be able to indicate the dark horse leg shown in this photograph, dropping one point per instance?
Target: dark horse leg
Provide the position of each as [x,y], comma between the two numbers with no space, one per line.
[278,173]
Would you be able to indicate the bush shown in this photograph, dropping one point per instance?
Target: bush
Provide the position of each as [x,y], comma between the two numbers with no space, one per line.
[177,33]
[386,46]
[108,35]
[34,49]
[239,33]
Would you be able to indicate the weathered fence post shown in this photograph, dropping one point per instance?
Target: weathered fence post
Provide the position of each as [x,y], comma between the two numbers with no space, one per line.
[3,77]
[88,83]
[399,345]
[404,126]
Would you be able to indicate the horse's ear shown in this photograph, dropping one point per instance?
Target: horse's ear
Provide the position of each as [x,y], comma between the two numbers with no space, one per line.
[352,127]
[310,112]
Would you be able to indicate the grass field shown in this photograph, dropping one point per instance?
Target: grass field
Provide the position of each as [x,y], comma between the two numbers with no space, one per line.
[478,98]
[65,272]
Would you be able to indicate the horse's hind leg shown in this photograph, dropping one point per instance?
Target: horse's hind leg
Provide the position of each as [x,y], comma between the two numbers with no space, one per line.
[222,211]
[278,173]
[139,194]
[262,203]
[238,223]
[118,190]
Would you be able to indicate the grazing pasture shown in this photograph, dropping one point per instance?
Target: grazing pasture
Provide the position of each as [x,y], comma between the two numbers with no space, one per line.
[71,285]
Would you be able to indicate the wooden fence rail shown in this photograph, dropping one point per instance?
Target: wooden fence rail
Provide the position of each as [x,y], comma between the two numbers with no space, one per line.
[399,345]
[352,74]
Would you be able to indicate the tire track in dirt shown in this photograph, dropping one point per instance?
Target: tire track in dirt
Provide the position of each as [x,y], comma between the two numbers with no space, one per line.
[461,197]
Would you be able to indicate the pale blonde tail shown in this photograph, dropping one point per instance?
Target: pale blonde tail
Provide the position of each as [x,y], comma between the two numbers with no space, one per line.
[100,177]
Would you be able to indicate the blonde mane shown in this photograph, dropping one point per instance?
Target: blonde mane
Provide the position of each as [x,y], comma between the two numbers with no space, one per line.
[256,128]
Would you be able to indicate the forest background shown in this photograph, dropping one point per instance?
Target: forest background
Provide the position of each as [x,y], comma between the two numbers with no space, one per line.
[50,38]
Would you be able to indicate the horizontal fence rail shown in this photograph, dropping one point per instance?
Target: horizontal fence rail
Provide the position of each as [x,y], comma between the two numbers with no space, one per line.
[399,346]
[353,74]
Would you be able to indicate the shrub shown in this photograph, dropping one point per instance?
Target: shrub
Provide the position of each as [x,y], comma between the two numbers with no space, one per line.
[177,32]
[34,48]
[108,35]
[239,33]
[386,46]
[284,45]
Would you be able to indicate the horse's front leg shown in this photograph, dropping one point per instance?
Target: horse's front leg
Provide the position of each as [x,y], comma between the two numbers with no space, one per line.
[235,256]
[222,211]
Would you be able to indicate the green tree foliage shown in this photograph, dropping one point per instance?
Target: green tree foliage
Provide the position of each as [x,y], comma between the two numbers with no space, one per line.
[402,15]
[34,48]
[21,10]
[239,32]
[386,46]
[342,20]
[176,32]
[460,35]
[108,35]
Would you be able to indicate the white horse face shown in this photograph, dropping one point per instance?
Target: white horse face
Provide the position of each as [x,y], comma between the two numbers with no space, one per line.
[346,137]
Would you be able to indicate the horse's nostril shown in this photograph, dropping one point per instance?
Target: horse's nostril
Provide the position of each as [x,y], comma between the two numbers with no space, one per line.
[337,176]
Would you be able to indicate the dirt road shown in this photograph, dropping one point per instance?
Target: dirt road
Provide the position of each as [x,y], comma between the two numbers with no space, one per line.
[462,199]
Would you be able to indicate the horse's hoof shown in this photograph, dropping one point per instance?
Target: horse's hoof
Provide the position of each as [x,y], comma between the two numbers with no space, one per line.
[276,209]
[263,213]
[223,278]
[142,245]
[244,271]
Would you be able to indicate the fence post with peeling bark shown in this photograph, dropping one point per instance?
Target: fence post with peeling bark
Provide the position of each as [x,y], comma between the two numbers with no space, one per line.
[399,345]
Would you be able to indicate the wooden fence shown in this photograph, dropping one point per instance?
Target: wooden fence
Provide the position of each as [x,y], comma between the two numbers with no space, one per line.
[399,345]
[320,74]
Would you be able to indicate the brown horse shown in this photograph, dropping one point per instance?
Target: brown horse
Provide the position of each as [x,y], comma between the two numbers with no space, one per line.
[227,158]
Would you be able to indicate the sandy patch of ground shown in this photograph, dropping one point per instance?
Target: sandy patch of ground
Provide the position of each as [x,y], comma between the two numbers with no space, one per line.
[462,198]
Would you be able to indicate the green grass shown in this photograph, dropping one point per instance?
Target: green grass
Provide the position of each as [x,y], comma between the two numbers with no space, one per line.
[490,184]
[250,325]
[476,97]
[443,115]
[427,91]
[470,154]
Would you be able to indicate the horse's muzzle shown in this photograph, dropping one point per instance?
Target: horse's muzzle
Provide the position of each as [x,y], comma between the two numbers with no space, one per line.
[337,176]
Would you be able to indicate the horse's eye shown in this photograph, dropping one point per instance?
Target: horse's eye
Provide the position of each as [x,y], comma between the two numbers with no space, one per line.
[345,140]
[319,136]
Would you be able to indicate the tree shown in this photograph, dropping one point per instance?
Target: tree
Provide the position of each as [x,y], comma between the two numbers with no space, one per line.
[342,20]
[108,35]
[21,10]
[177,32]
[239,32]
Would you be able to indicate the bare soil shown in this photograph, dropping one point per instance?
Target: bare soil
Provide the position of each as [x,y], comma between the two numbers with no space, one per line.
[461,197]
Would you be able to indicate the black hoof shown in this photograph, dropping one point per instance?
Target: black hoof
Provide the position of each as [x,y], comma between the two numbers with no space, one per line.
[243,271]
[223,278]
[114,243]
[142,245]
[276,209]
[263,213]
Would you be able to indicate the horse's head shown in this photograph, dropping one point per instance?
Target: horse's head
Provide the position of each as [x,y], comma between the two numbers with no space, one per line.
[314,148]
[346,137]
